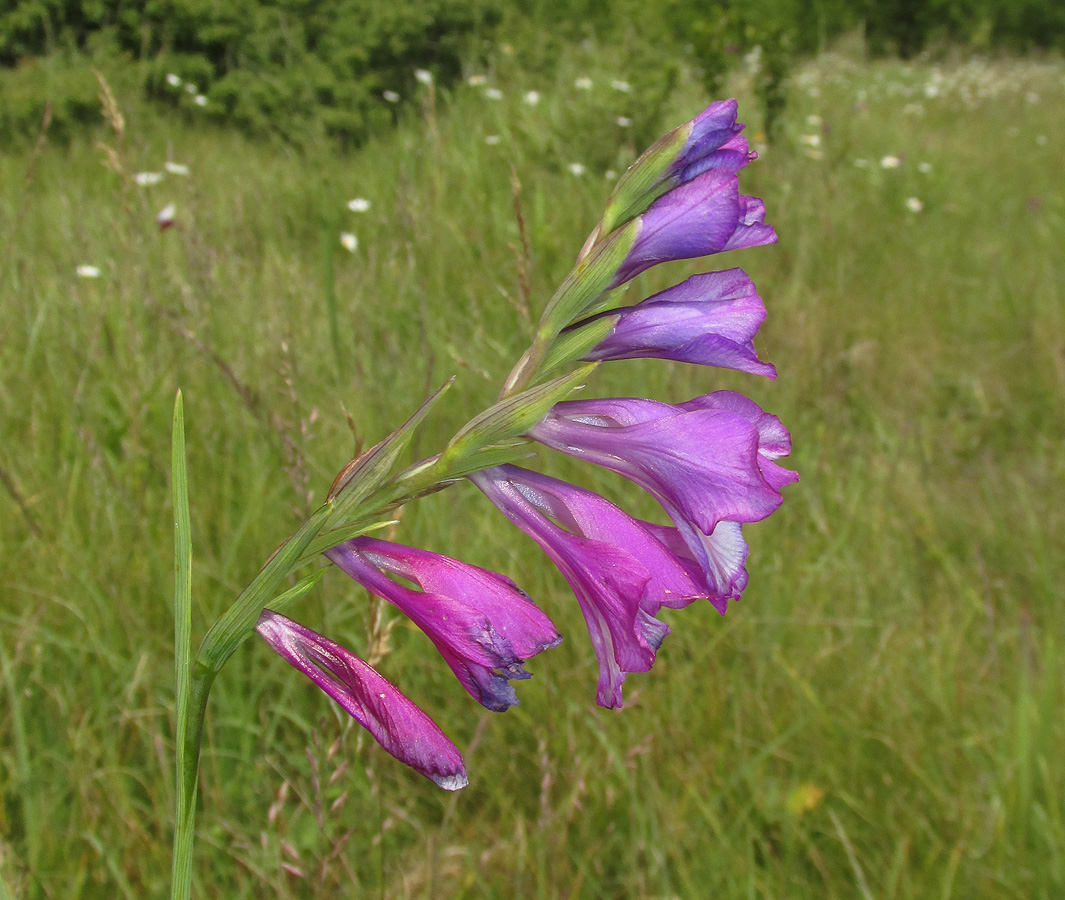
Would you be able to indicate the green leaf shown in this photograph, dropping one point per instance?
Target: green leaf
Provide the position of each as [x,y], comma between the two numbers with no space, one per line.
[510,418]
[181,882]
[360,477]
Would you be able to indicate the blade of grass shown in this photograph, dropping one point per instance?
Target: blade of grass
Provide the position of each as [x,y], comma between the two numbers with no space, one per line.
[181,879]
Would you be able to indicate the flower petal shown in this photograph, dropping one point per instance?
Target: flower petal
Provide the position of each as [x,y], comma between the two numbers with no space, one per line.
[774,441]
[399,726]
[710,319]
[483,626]
[703,463]
[621,573]
[704,216]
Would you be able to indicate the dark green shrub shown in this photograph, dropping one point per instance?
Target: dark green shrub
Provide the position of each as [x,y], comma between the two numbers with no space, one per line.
[287,67]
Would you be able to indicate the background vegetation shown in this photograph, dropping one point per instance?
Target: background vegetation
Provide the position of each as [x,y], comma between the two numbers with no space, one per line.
[880,715]
[299,69]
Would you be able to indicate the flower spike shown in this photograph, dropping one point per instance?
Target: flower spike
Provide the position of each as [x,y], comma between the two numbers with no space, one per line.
[482,624]
[396,723]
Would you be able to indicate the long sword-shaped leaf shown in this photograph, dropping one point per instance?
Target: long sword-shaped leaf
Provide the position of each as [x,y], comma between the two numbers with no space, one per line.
[181,881]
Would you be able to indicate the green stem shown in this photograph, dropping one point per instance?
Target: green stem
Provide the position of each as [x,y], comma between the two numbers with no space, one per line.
[189,703]
[187,780]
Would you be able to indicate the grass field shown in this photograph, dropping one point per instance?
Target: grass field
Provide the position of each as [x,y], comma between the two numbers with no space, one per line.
[880,717]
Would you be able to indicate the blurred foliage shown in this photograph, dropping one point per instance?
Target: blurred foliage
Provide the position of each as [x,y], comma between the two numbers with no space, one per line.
[286,67]
[302,69]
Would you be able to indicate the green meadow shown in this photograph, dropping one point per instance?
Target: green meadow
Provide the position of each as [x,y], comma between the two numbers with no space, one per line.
[879,717]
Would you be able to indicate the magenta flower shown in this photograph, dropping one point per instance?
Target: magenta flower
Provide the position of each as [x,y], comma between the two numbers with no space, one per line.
[482,624]
[709,320]
[703,216]
[618,567]
[709,462]
[375,703]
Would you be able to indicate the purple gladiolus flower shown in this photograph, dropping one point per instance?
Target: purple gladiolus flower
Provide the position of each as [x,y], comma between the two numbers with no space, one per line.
[482,624]
[711,140]
[709,320]
[704,216]
[773,438]
[375,703]
[715,142]
[620,568]
[706,461]
[709,462]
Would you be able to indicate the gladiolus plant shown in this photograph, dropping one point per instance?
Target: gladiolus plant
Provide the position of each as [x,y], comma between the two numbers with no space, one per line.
[711,463]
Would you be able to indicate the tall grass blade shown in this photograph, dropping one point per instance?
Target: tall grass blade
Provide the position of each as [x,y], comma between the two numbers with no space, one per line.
[181,880]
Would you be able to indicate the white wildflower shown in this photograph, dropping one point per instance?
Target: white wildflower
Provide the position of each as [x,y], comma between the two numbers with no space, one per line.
[576,168]
[423,76]
[476,80]
[532,98]
[584,83]
[87,272]
[610,174]
[390,96]
[925,168]
[200,99]
[491,139]
[348,241]
[173,79]
[359,204]
[146,179]
[493,93]
[619,85]
[914,205]
[811,140]
[624,122]
[890,162]
[166,216]
[191,88]
[176,168]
